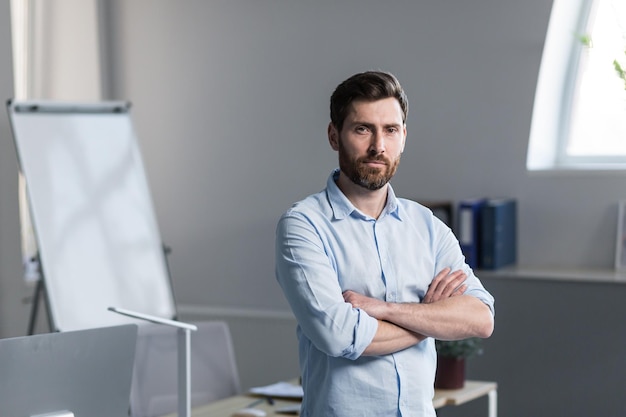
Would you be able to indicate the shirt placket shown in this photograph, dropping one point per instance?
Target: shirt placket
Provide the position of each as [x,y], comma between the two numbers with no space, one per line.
[384,246]
[384,257]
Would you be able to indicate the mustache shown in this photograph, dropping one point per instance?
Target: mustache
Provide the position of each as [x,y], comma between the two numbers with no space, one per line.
[376,158]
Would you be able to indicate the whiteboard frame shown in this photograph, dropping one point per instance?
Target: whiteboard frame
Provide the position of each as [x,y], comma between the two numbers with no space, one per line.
[87,264]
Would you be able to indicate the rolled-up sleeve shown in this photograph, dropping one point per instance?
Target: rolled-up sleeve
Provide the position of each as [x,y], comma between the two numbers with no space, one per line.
[305,272]
[449,254]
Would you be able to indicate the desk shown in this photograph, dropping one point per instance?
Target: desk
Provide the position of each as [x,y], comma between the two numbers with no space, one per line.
[471,391]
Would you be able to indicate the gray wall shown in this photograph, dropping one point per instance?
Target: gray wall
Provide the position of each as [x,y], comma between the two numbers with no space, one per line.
[231,108]
[13,291]
[558,350]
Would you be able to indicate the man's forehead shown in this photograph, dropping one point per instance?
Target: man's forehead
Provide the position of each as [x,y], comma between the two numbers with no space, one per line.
[389,108]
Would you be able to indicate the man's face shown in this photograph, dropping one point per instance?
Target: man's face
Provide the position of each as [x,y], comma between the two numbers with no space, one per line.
[370,142]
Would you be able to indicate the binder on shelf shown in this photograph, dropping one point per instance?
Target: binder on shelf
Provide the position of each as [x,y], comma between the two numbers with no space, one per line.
[499,233]
[469,229]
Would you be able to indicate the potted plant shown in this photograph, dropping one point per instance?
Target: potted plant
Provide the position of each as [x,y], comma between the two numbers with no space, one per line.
[451,355]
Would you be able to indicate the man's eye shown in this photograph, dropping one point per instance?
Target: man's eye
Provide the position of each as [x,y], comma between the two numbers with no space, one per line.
[362,129]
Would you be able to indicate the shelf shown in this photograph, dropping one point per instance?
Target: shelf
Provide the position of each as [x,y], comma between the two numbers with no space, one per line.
[556,274]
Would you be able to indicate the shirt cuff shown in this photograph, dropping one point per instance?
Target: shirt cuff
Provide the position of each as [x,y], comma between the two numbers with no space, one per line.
[363,334]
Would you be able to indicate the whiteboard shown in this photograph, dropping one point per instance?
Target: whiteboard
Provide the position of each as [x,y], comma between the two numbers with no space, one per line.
[92,213]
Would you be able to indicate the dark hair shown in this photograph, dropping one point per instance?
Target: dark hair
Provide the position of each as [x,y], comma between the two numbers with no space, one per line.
[370,86]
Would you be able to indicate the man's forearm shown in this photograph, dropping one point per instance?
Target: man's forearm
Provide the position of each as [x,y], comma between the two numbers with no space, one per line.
[448,319]
[445,313]
[391,338]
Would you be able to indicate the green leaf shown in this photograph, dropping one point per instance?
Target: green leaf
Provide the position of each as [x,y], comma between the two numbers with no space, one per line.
[585,39]
[459,348]
[620,70]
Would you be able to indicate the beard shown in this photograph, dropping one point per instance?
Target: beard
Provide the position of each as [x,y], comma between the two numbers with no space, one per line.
[372,178]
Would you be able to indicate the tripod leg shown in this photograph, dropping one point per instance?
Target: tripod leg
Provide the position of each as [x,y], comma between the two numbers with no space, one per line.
[35,307]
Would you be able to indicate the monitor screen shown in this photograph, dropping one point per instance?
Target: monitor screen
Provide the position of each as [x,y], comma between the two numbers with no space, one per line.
[84,372]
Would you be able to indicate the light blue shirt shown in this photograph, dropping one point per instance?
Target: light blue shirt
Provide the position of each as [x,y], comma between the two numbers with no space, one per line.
[325,246]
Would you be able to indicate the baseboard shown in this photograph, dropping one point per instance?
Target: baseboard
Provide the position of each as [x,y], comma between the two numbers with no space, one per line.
[200,311]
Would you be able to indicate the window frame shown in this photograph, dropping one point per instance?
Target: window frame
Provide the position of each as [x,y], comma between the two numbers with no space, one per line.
[557,85]
[572,72]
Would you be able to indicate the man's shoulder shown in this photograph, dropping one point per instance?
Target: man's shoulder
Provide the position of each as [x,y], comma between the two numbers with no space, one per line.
[413,207]
[421,216]
[313,204]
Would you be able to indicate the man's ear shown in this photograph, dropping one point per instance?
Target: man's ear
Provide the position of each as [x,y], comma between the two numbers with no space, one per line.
[333,136]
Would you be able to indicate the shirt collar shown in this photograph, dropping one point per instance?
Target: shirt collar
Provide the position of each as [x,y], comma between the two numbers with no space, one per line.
[342,207]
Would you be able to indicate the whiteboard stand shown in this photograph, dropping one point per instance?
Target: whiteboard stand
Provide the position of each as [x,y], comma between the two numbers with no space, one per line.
[38,294]
[184,355]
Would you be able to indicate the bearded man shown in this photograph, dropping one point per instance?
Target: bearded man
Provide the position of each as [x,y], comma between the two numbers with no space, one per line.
[373,279]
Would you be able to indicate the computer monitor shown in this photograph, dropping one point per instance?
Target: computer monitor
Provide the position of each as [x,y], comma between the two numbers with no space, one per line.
[84,372]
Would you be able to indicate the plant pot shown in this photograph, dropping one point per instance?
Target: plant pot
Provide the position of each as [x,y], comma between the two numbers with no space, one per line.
[450,373]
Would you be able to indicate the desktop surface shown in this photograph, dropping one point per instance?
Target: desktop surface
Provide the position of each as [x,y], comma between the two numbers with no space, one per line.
[228,407]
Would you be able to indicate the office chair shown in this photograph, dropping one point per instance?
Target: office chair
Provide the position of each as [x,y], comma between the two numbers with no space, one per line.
[214,374]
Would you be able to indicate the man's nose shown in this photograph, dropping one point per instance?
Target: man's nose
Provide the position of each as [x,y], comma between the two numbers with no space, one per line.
[377,145]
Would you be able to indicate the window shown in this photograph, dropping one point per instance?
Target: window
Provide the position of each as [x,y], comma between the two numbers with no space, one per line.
[579,117]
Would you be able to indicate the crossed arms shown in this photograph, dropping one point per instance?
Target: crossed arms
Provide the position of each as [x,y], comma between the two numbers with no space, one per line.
[445,313]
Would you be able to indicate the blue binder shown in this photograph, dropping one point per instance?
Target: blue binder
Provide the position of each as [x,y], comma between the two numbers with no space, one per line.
[469,230]
[499,233]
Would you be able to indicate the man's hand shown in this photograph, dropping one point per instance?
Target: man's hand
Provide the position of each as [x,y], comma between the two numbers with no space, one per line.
[446,284]
[371,306]
[389,338]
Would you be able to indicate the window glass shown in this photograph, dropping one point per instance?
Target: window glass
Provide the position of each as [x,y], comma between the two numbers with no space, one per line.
[598,113]
[579,112]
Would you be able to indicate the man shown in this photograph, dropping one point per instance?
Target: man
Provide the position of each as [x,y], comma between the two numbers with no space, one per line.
[372,279]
